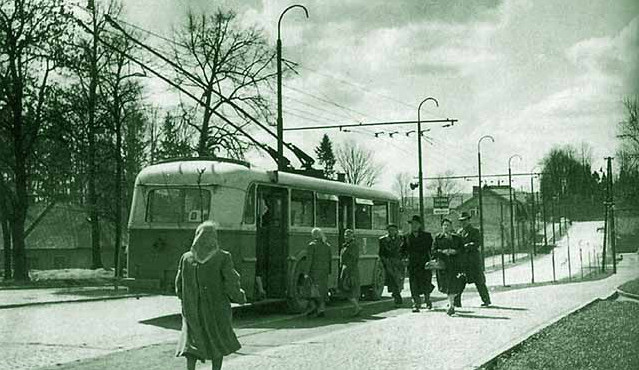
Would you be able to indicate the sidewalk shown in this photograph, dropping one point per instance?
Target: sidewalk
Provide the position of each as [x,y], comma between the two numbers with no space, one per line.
[11,298]
[434,340]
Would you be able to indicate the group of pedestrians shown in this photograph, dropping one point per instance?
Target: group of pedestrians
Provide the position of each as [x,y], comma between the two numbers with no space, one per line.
[319,267]
[207,282]
[455,258]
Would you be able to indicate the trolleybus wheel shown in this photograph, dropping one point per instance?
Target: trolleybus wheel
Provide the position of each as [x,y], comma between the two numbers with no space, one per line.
[296,303]
[374,292]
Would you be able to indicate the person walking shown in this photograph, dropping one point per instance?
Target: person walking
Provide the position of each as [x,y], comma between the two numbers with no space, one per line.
[349,275]
[447,248]
[205,283]
[416,247]
[318,268]
[390,246]
[471,238]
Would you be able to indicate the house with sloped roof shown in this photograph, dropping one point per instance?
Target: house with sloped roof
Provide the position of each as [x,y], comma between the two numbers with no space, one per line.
[496,206]
[62,239]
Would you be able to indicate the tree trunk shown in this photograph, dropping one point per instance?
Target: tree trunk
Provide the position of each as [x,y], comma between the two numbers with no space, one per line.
[118,183]
[94,220]
[6,239]
[202,148]
[20,272]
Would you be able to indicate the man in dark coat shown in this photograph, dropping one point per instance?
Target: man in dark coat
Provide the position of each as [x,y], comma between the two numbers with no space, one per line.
[472,259]
[417,247]
[390,254]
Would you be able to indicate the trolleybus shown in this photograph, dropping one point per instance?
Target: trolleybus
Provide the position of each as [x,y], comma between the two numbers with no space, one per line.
[265,219]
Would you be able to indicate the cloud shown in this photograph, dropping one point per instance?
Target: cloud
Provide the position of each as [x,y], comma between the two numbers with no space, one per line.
[610,58]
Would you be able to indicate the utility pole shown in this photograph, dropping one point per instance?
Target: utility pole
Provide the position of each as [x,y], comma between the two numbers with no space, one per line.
[419,156]
[611,205]
[501,229]
[479,193]
[281,166]
[554,242]
[543,216]
[605,237]
[512,219]
[567,243]
[532,232]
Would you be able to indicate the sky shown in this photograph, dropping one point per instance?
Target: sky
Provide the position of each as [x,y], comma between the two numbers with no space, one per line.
[532,74]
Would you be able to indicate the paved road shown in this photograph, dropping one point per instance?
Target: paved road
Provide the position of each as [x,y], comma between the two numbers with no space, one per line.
[56,334]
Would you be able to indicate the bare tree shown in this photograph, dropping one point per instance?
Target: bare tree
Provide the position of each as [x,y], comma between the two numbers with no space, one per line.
[402,187]
[32,34]
[358,164]
[629,128]
[443,185]
[230,64]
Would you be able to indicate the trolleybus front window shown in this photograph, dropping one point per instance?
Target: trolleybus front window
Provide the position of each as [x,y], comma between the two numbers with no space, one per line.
[178,205]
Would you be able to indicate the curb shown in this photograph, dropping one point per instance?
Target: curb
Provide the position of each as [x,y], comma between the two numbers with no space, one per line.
[513,345]
[626,294]
[91,299]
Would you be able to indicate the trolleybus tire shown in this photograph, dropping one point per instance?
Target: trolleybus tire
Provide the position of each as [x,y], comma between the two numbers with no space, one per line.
[295,302]
[374,291]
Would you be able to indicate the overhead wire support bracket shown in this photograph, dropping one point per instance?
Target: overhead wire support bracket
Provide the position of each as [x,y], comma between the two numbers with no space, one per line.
[447,123]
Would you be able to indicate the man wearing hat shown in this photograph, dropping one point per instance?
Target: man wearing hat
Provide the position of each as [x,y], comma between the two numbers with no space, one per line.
[417,247]
[473,263]
[390,253]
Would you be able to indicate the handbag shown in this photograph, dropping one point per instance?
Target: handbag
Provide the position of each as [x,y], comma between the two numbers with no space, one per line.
[345,282]
[435,264]
[309,289]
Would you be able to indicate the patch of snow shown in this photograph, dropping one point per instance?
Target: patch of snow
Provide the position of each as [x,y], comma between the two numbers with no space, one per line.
[71,274]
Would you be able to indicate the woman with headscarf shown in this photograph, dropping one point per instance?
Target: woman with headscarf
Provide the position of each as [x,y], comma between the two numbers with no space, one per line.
[318,268]
[349,274]
[206,282]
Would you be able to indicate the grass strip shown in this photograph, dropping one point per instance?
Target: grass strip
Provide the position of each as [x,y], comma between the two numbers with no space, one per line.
[602,336]
[631,287]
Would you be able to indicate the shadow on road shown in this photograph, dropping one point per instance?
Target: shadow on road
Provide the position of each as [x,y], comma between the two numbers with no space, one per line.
[336,313]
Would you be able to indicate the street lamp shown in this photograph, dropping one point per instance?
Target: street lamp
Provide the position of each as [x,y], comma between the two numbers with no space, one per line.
[280,123]
[533,231]
[512,218]
[481,208]
[419,154]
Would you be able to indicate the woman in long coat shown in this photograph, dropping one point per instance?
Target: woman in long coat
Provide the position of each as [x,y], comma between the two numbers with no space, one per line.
[448,248]
[318,267]
[349,275]
[205,283]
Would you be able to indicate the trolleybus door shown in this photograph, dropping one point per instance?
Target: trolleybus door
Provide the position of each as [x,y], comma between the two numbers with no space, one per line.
[344,221]
[271,240]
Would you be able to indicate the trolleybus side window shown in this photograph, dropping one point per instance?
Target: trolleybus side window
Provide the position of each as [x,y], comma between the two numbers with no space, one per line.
[178,205]
[380,215]
[302,208]
[326,210]
[249,206]
[363,214]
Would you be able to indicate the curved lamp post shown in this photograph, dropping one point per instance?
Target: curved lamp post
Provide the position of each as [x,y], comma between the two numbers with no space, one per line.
[280,123]
[533,231]
[419,155]
[512,215]
[481,208]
